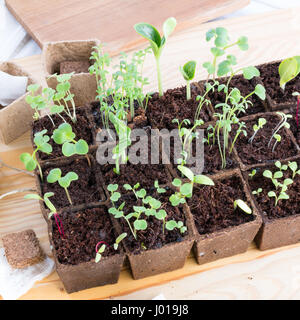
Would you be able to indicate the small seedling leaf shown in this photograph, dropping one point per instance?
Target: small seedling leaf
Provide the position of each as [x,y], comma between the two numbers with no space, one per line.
[243,206]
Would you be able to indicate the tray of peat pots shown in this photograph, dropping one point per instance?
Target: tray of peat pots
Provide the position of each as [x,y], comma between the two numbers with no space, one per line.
[276,97]
[275,190]
[225,221]
[74,182]
[86,249]
[65,57]
[268,138]
[245,86]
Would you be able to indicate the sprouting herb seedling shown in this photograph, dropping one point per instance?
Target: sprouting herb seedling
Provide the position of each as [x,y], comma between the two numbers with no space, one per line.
[172,224]
[188,73]
[283,123]
[257,127]
[294,168]
[99,253]
[281,167]
[41,141]
[65,136]
[119,239]
[252,173]
[186,189]
[48,203]
[157,42]
[257,192]
[55,175]
[242,205]
[186,137]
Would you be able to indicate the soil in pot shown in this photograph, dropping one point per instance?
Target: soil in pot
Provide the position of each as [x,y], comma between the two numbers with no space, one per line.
[212,207]
[154,237]
[174,105]
[212,158]
[74,66]
[284,208]
[82,191]
[245,86]
[82,231]
[82,130]
[258,151]
[270,78]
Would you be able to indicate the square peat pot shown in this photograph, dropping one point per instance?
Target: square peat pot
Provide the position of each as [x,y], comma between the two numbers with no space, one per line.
[83,129]
[71,56]
[277,98]
[281,223]
[259,153]
[164,257]
[86,192]
[74,251]
[222,232]
[16,118]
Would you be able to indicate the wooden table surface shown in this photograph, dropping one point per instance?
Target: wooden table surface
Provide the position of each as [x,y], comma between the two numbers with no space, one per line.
[271,36]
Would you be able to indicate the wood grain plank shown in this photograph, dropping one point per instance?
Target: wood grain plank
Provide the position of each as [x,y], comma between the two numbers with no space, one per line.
[274,42]
[111,21]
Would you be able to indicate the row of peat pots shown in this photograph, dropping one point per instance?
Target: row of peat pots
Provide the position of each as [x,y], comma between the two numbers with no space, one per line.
[212,227]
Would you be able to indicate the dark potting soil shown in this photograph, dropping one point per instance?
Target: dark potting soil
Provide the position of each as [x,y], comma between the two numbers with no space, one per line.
[284,208]
[84,190]
[145,174]
[212,158]
[153,237]
[213,206]
[82,232]
[82,129]
[174,105]
[245,86]
[270,77]
[258,151]
[81,66]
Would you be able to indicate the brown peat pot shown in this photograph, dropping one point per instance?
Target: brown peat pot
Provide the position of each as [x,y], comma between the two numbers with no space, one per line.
[233,239]
[82,275]
[281,223]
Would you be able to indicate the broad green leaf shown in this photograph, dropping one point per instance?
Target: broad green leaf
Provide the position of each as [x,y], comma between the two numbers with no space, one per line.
[223,68]
[188,70]
[29,162]
[186,189]
[141,193]
[115,196]
[186,172]
[168,27]
[204,180]
[243,43]
[209,67]
[242,205]
[250,72]
[260,91]
[65,181]
[288,69]
[271,194]
[68,149]
[33,196]
[176,182]
[171,225]
[112,187]
[147,31]
[161,214]
[210,34]
[54,175]
[81,147]
[278,175]
[268,174]
[140,224]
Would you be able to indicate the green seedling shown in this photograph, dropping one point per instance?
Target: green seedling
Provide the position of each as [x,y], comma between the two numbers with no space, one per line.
[158,188]
[99,253]
[283,123]
[157,42]
[172,224]
[41,142]
[48,203]
[288,69]
[257,127]
[294,168]
[186,189]
[252,173]
[186,137]
[65,136]
[188,73]
[257,192]
[281,167]
[274,177]
[55,175]
[119,239]
[239,203]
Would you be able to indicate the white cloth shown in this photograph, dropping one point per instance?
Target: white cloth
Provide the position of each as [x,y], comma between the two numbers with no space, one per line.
[12,88]
[16,282]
